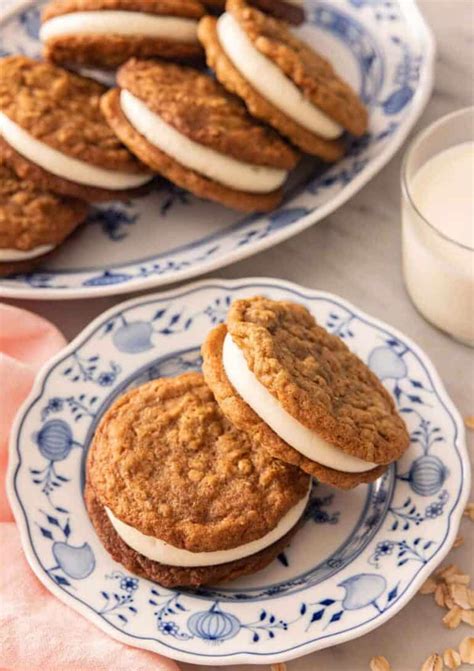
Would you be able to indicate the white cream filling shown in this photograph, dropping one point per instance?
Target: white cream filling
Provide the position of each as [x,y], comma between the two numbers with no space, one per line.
[164,553]
[64,166]
[267,407]
[270,82]
[111,22]
[214,165]
[12,255]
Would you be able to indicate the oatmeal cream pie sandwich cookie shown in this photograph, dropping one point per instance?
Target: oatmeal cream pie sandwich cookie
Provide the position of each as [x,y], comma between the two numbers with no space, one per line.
[33,222]
[53,134]
[282,80]
[291,11]
[185,126]
[179,496]
[106,33]
[301,394]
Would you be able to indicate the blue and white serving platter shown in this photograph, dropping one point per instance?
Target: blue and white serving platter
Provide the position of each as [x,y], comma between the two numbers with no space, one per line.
[361,555]
[383,47]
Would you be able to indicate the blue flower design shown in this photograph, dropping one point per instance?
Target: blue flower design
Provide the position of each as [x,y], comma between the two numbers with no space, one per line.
[434,509]
[55,404]
[129,584]
[168,628]
[385,548]
[106,379]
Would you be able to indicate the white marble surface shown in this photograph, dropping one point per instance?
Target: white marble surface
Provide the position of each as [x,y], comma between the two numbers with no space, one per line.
[355,253]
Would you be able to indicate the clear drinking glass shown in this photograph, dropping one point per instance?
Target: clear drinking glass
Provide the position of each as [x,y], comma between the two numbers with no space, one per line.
[438,270]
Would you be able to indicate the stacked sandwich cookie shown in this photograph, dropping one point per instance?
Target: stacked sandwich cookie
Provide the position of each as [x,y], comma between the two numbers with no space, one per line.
[205,477]
[33,222]
[301,394]
[106,33]
[184,125]
[180,496]
[54,134]
[282,80]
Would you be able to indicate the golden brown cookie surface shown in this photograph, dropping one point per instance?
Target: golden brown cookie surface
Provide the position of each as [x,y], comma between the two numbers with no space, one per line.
[166,462]
[258,106]
[285,11]
[317,379]
[111,50]
[199,107]
[31,217]
[175,576]
[192,9]
[311,73]
[62,110]
[247,420]
[183,177]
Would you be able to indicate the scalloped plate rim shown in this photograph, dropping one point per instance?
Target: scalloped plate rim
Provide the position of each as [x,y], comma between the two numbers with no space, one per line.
[241,657]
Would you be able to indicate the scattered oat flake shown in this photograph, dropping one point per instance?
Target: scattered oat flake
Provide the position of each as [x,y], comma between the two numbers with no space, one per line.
[469,511]
[440,596]
[458,578]
[444,571]
[429,586]
[466,649]
[433,663]
[452,619]
[469,421]
[379,663]
[460,595]
[451,658]
[458,542]
[467,616]
[279,667]
[470,596]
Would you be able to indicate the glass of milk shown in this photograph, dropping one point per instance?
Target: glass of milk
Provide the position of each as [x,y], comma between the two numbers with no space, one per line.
[438,224]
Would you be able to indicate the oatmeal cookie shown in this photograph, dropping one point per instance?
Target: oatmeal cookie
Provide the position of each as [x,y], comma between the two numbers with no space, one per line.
[291,12]
[315,379]
[176,40]
[212,491]
[312,74]
[32,221]
[199,109]
[42,103]
[261,108]
[175,576]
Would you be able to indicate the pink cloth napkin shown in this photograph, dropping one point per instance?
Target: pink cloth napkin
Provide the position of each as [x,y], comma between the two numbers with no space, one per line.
[36,630]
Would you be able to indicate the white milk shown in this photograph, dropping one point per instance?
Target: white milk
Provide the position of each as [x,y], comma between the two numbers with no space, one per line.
[439,271]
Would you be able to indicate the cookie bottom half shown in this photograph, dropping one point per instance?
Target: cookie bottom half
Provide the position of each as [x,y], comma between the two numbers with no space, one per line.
[175,576]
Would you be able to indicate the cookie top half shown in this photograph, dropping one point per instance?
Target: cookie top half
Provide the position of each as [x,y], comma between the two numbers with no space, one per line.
[165,461]
[197,106]
[307,69]
[317,379]
[62,110]
[192,9]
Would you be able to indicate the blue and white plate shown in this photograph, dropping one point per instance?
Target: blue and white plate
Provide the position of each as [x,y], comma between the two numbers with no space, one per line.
[359,558]
[383,47]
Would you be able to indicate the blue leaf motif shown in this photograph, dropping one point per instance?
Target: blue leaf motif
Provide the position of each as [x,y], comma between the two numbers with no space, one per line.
[398,100]
[46,533]
[317,615]
[392,594]
[327,602]
[337,616]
